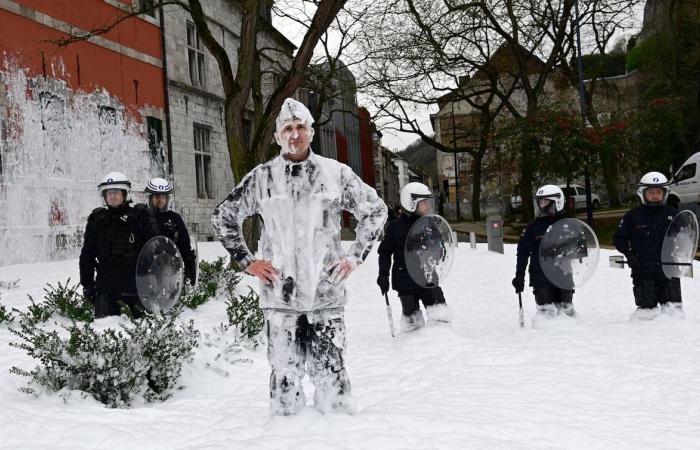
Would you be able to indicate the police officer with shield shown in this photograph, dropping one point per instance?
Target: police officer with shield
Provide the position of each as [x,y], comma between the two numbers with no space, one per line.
[114,236]
[416,201]
[169,223]
[551,300]
[640,237]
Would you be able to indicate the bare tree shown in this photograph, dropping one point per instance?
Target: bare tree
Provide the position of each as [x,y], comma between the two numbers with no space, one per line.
[242,83]
[420,53]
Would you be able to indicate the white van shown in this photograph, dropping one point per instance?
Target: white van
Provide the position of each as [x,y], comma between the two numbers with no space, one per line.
[685,185]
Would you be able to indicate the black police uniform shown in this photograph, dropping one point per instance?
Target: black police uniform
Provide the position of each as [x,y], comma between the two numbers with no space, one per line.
[113,240]
[409,292]
[171,225]
[529,249]
[640,237]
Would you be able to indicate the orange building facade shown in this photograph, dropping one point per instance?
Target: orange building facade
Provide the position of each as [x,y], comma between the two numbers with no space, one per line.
[126,61]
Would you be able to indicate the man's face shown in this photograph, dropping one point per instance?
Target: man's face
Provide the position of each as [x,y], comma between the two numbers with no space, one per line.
[295,137]
[160,201]
[424,207]
[114,197]
[544,203]
[654,195]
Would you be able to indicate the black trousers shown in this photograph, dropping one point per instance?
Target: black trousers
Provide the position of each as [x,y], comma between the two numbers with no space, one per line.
[649,293]
[549,295]
[410,299]
[106,304]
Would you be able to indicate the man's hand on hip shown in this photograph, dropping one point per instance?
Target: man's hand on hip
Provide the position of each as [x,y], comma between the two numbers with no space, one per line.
[264,270]
[340,270]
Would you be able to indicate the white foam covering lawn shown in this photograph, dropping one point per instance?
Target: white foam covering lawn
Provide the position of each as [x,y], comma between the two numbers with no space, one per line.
[601,382]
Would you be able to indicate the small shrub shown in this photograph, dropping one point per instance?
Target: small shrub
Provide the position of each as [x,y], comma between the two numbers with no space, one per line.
[115,366]
[67,301]
[244,312]
[214,277]
[5,315]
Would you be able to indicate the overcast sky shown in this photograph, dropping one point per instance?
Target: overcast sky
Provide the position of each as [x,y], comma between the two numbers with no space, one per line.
[396,140]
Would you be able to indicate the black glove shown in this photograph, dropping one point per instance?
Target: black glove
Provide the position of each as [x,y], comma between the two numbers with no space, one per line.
[89,294]
[518,283]
[383,282]
[633,261]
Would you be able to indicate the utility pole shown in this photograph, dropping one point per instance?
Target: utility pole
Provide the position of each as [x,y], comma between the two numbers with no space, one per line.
[454,146]
[582,98]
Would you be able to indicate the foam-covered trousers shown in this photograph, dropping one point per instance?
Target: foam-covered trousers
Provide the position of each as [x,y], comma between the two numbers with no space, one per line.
[301,341]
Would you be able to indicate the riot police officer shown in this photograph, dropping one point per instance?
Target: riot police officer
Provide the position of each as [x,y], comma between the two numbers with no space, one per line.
[170,223]
[114,237]
[640,237]
[416,201]
[551,300]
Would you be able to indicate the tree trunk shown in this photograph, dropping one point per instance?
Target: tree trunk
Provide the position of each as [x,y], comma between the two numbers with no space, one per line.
[610,175]
[526,177]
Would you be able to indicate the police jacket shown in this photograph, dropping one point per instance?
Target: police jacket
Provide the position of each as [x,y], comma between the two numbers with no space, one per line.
[394,243]
[529,249]
[641,232]
[171,225]
[113,240]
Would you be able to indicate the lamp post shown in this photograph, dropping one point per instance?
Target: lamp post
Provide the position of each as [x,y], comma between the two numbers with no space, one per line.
[582,98]
[454,146]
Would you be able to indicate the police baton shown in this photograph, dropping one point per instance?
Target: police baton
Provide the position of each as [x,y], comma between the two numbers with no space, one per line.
[389,315]
[521,313]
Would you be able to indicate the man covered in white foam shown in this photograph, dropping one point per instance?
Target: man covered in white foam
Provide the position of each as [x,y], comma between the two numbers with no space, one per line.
[302,266]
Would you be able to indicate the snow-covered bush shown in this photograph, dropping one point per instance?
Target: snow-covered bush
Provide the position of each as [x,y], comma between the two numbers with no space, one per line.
[68,302]
[115,366]
[244,313]
[5,316]
[213,277]
[63,299]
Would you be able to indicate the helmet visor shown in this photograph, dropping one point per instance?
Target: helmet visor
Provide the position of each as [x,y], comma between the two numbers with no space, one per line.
[545,205]
[654,195]
[425,204]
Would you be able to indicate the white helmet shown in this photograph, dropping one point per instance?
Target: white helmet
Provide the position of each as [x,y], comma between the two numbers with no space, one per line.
[413,193]
[653,180]
[116,180]
[553,193]
[159,186]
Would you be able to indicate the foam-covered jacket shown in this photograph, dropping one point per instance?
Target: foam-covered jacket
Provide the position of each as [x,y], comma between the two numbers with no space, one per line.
[301,205]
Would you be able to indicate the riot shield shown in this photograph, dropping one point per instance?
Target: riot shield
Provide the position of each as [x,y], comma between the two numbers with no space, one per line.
[429,250]
[679,245]
[159,274]
[569,253]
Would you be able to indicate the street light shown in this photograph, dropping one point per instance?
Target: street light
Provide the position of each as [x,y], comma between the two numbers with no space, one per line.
[454,146]
[582,98]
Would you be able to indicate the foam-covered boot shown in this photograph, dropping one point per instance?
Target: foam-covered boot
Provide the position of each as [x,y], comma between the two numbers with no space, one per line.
[439,313]
[412,322]
[645,313]
[673,309]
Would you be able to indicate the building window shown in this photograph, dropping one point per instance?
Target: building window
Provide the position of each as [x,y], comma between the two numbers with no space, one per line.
[154,129]
[202,161]
[195,56]
[107,118]
[52,109]
[147,7]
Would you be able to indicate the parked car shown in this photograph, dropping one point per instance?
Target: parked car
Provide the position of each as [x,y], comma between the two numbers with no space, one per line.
[685,185]
[579,195]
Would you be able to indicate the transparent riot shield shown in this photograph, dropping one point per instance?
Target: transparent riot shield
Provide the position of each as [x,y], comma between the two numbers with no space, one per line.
[569,253]
[679,245]
[159,274]
[429,250]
